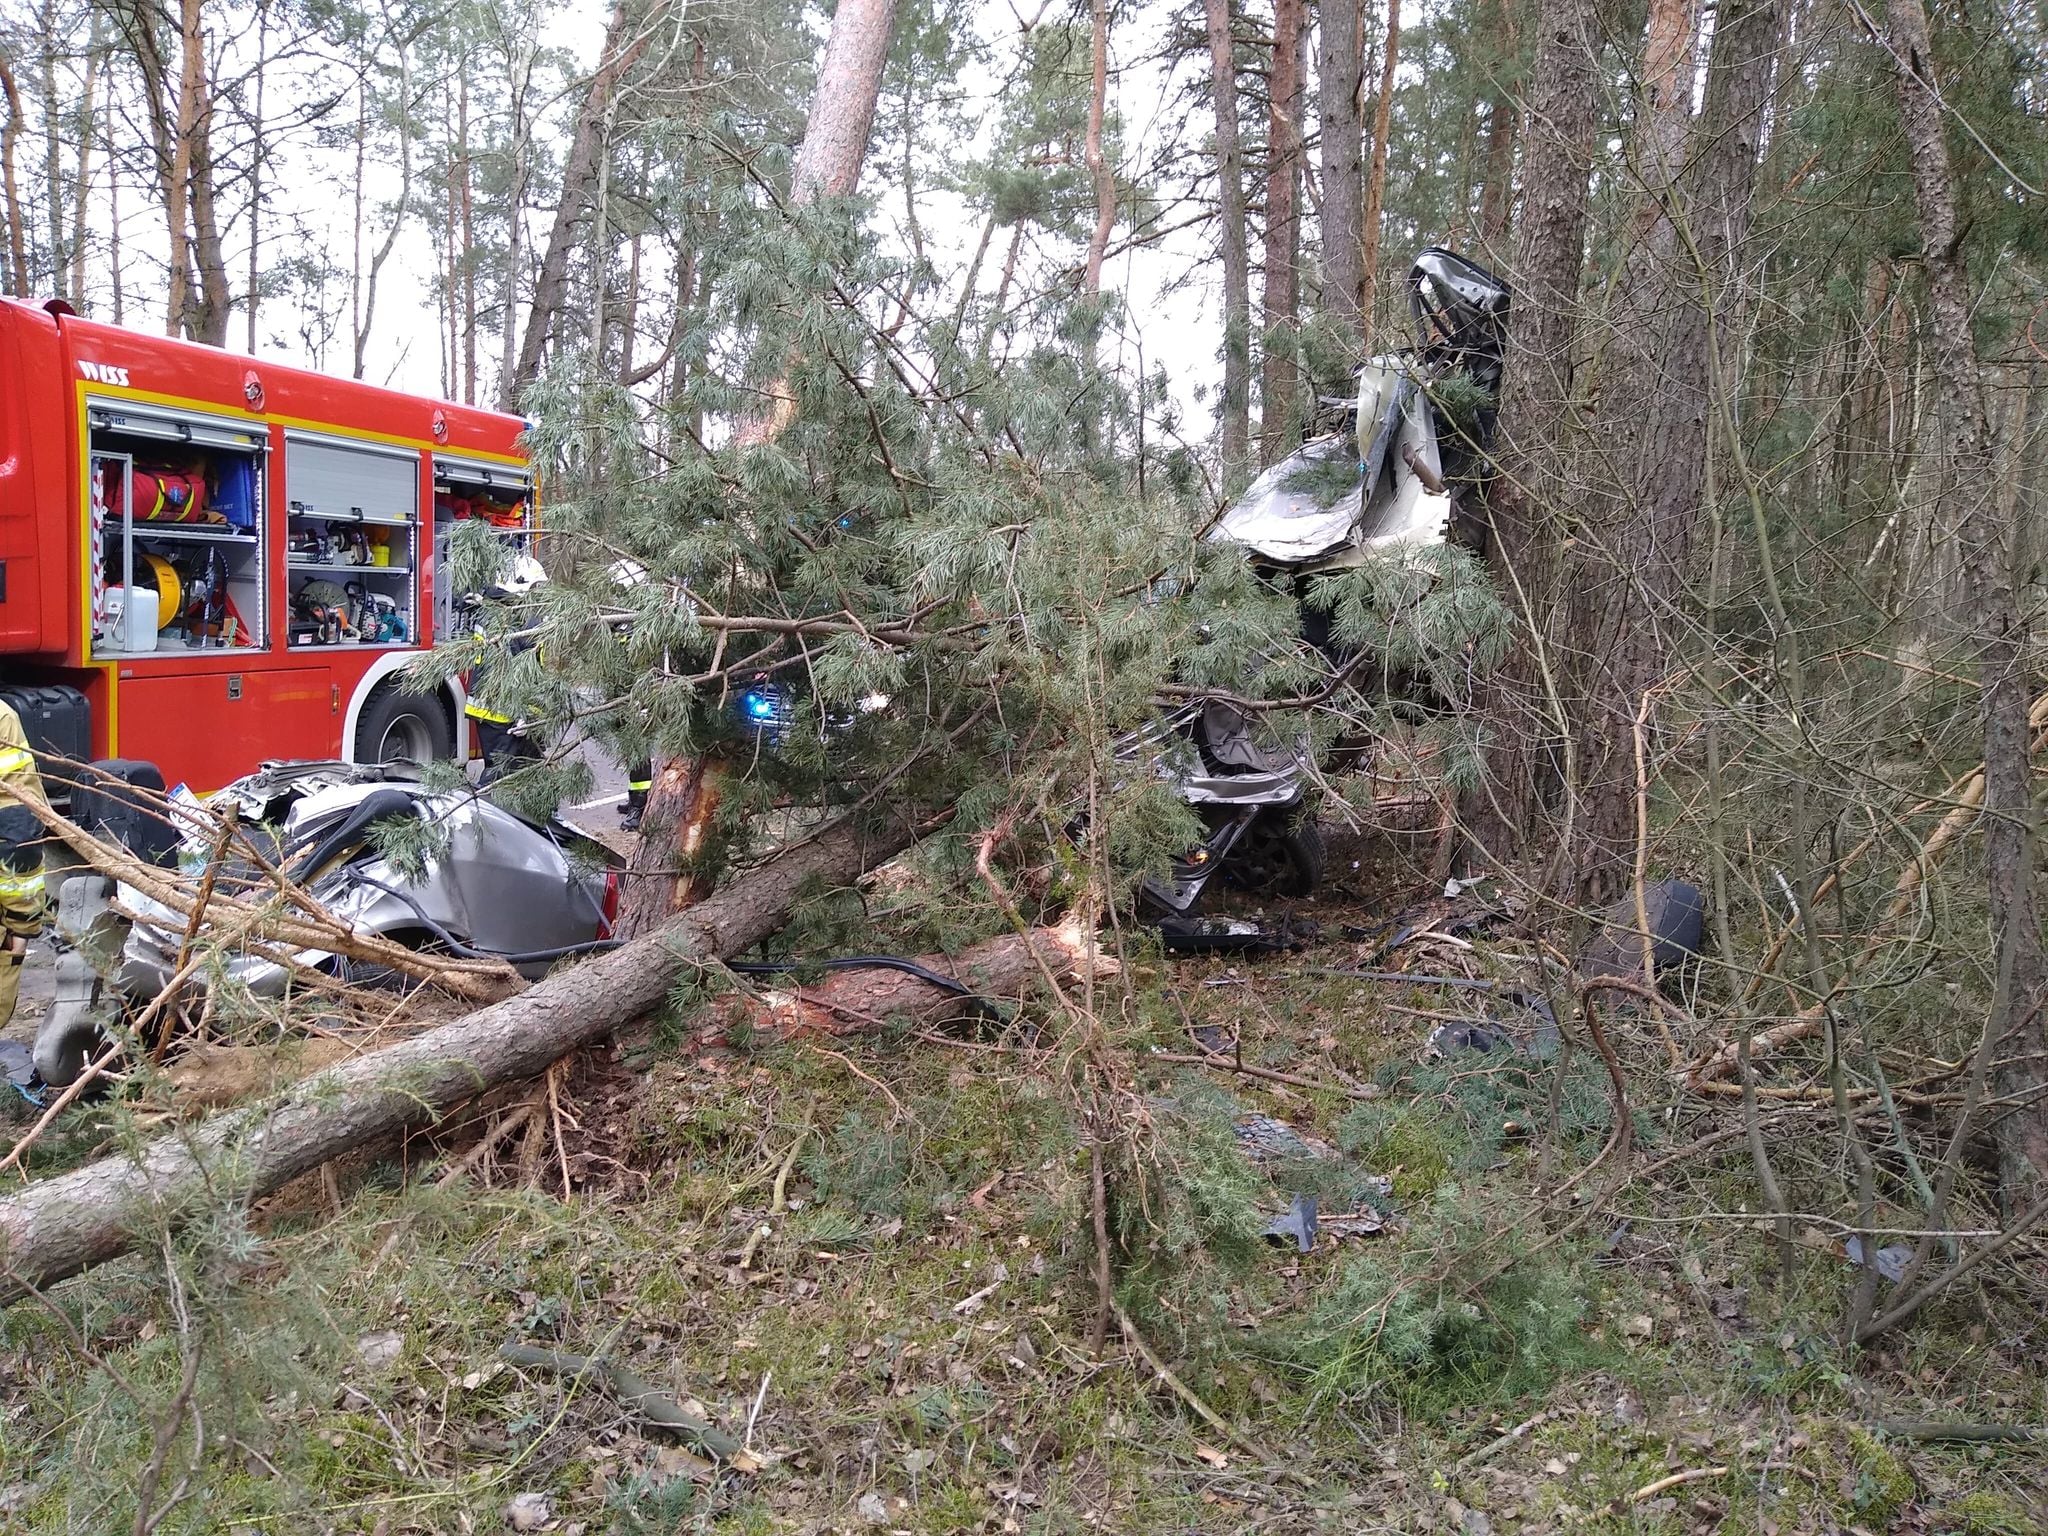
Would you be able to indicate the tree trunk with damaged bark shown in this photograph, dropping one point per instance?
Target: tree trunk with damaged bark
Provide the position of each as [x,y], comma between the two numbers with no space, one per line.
[65,1224]
[676,826]
[1967,498]
[846,1001]
[1676,298]
[1536,390]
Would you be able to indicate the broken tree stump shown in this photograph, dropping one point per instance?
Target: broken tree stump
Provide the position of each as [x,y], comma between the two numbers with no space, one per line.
[64,1224]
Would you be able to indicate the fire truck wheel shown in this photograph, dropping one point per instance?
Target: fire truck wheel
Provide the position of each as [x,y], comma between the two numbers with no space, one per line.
[398,727]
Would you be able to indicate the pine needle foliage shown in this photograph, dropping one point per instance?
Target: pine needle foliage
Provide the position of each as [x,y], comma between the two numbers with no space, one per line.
[958,583]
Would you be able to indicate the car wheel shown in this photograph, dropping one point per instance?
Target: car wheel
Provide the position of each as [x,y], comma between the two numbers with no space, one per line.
[1277,857]
[374,976]
[398,727]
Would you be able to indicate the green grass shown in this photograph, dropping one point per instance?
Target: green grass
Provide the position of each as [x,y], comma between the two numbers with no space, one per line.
[1372,1365]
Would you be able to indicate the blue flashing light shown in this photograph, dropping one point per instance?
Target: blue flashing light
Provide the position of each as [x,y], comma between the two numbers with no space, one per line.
[758,705]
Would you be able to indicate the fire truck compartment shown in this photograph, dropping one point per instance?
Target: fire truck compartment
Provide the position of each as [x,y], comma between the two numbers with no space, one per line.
[267,535]
[472,490]
[175,529]
[246,715]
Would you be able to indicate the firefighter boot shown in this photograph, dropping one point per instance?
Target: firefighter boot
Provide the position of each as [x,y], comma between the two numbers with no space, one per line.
[640,779]
[12,958]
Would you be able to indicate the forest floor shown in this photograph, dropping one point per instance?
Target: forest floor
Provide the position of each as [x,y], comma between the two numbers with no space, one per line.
[867,1260]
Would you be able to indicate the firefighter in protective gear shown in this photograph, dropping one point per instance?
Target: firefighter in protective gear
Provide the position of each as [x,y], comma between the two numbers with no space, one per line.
[505,742]
[21,857]
[626,573]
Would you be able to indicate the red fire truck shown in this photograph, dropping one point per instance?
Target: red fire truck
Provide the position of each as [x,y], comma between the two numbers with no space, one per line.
[207,560]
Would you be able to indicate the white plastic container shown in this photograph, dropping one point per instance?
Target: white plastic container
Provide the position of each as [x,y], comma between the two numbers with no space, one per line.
[138,620]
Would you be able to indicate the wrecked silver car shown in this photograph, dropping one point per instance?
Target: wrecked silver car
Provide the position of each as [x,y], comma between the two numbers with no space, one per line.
[475,881]
[1422,421]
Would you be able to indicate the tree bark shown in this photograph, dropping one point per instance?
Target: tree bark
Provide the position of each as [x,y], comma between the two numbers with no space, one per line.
[85,124]
[1376,178]
[843,107]
[1234,412]
[1338,70]
[848,1001]
[1279,362]
[255,299]
[209,308]
[10,134]
[64,1224]
[579,180]
[1675,297]
[1967,497]
[1497,197]
[1092,151]
[1536,389]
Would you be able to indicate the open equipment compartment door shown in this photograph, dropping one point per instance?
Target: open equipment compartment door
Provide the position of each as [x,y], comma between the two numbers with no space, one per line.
[467,490]
[175,522]
[351,546]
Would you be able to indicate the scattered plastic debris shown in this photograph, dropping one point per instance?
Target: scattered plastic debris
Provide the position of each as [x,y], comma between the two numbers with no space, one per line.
[1297,1223]
[1676,912]
[1275,1141]
[1236,935]
[1889,1261]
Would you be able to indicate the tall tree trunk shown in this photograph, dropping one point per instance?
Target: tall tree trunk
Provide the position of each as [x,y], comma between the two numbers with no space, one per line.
[580,174]
[842,111]
[209,307]
[1337,71]
[1092,150]
[53,145]
[1536,390]
[675,828]
[181,300]
[1234,415]
[1630,554]
[256,155]
[1279,362]
[1376,178]
[85,125]
[520,53]
[17,245]
[1497,196]
[1967,477]
[400,210]
[468,235]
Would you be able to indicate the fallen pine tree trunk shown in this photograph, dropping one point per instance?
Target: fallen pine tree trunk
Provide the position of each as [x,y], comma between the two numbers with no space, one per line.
[856,997]
[65,1224]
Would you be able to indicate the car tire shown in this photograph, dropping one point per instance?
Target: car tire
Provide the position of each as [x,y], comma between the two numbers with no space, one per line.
[1277,857]
[400,727]
[372,976]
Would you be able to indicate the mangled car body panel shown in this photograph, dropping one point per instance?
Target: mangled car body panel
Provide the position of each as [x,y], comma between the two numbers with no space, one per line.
[1345,496]
[490,884]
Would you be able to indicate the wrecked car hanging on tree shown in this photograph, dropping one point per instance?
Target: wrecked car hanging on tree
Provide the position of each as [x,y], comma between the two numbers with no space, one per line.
[1423,419]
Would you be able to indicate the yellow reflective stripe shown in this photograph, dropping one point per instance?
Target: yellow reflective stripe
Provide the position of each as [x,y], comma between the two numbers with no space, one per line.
[14,759]
[637,784]
[476,711]
[19,890]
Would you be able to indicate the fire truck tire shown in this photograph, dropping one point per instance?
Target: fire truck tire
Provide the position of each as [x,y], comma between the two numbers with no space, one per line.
[399,727]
